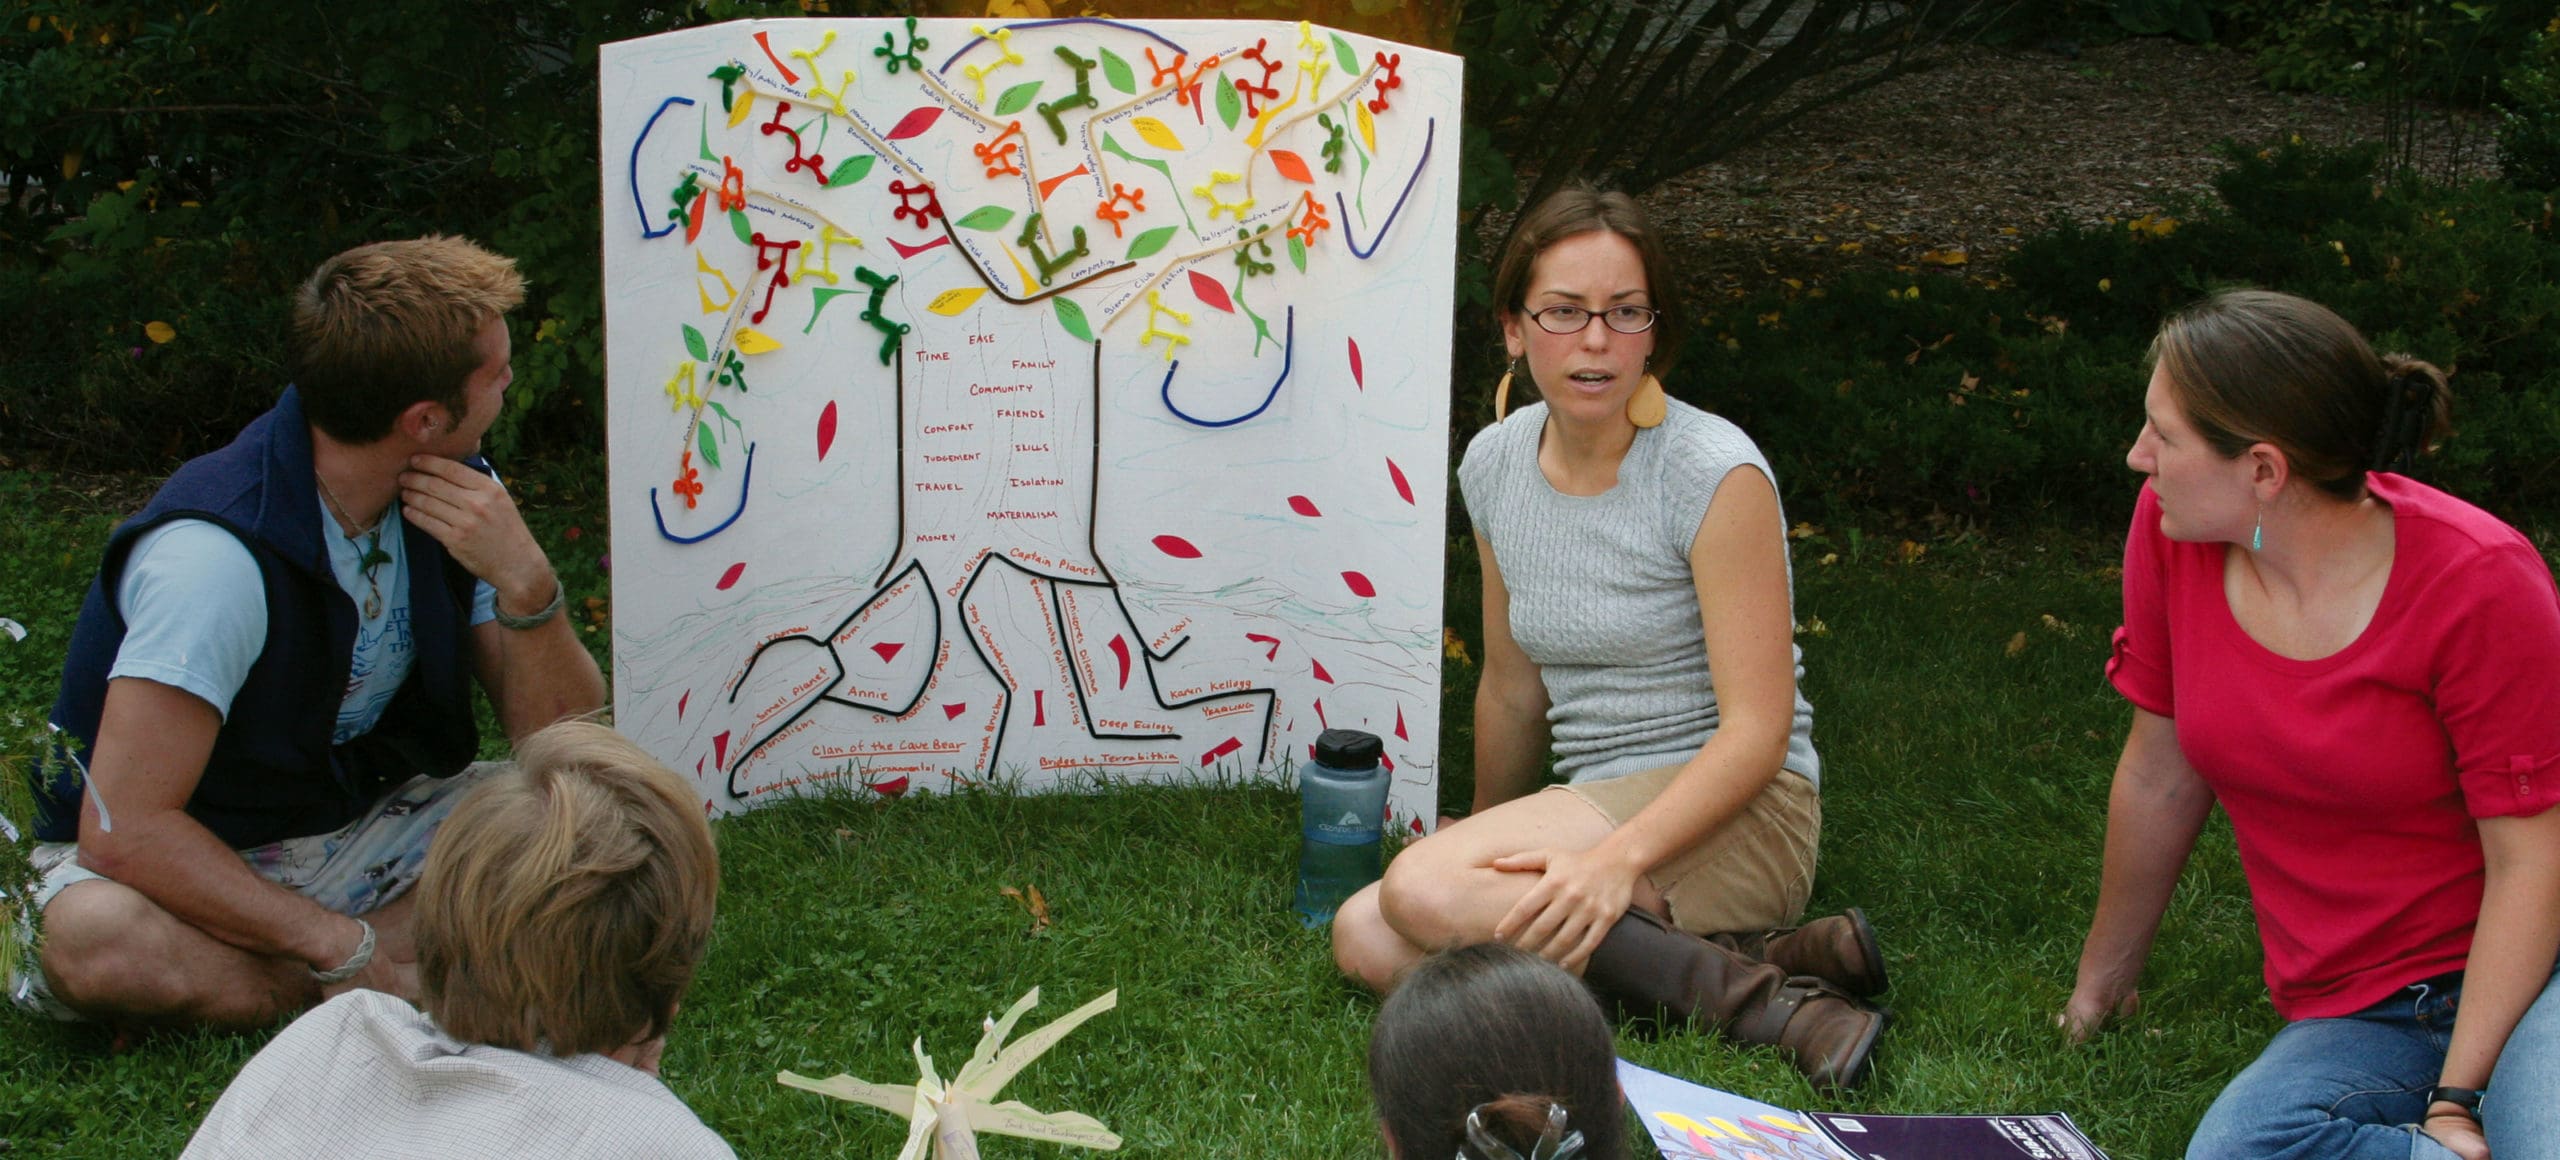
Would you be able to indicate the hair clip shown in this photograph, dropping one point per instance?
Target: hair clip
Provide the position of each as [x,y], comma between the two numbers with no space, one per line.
[1556,1143]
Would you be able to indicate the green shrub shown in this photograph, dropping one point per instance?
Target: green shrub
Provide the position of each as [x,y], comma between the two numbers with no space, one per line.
[188,168]
[2019,399]
[2529,119]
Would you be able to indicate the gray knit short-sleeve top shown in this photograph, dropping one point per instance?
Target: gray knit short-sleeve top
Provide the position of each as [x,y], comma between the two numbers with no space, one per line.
[1602,597]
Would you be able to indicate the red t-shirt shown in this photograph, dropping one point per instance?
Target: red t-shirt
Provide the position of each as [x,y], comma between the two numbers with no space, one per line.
[2352,781]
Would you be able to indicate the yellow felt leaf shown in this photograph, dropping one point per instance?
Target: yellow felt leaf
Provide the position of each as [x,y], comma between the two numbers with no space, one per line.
[1154,133]
[950,303]
[159,331]
[1368,124]
[756,341]
[738,111]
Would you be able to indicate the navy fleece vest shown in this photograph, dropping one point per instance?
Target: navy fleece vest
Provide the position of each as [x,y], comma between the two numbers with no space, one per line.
[273,773]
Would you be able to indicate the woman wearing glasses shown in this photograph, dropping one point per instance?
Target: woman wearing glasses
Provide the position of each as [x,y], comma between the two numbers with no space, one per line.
[1638,624]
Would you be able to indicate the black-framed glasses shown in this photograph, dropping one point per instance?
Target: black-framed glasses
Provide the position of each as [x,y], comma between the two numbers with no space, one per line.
[1625,319]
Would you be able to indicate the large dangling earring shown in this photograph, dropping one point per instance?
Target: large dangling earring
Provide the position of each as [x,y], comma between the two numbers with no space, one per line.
[2258,530]
[1502,391]
[1648,406]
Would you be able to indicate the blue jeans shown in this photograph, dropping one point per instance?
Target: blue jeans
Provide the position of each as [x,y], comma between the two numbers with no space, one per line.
[2354,1087]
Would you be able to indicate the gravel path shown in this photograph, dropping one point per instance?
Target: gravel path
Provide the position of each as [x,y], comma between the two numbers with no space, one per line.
[1992,144]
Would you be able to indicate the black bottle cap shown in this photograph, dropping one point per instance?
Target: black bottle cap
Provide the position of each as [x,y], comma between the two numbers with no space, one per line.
[1349,748]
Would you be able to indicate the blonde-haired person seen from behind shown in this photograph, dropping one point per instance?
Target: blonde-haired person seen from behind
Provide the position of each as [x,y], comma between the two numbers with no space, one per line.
[560,917]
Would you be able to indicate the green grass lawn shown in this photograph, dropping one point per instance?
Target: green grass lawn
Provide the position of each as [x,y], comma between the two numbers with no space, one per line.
[1965,778]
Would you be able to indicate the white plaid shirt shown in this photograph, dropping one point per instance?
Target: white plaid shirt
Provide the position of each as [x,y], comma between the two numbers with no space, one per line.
[367,1075]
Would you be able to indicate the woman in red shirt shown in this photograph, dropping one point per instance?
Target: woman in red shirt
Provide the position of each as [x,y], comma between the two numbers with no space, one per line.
[2369,684]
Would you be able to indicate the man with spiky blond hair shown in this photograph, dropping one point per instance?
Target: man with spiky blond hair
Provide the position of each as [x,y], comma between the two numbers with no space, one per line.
[266,710]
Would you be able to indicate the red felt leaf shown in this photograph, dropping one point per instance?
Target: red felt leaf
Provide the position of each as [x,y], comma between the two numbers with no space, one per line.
[1273,641]
[1322,675]
[730,577]
[1303,506]
[1359,584]
[1416,824]
[826,429]
[1357,379]
[1177,547]
[1387,761]
[788,76]
[683,701]
[1400,724]
[1292,167]
[907,251]
[1210,293]
[1219,750]
[693,217]
[952,712]
[1320,714]
[916,121]
[890,788]
[1397,474]
[720,749]
[887,652]
[1120,649]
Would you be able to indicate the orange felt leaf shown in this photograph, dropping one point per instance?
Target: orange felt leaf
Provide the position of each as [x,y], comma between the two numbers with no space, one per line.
[1292,167]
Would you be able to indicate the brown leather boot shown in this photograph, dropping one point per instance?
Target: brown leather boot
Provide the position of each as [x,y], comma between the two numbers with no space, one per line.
[1840,950]
[1645,966]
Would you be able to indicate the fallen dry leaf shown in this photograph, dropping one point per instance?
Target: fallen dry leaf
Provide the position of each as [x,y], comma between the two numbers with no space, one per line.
[1033,904]
[2017,644]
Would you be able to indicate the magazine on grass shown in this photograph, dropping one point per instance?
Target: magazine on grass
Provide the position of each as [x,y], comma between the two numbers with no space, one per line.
[1692,1122]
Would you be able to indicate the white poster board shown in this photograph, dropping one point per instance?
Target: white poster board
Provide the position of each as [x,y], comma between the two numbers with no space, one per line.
[1056,404]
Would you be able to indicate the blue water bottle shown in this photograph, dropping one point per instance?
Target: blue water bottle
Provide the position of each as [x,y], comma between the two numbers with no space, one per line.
[1342,807]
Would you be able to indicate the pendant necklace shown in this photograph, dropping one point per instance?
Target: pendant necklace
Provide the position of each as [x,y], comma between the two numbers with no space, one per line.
[371,558]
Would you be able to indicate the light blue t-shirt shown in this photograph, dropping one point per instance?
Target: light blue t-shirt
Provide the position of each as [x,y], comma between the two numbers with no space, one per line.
[195,612]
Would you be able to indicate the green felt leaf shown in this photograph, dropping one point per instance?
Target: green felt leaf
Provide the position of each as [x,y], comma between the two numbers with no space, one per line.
[1116,71]
[725,415]
[710,447]
[1342,55]
[1071,316]
[985,217]
[818,299]
[1017,98]
[1150,242]
[738,225]
[1298,253]
[1230,106]
[694,345]
[853,170]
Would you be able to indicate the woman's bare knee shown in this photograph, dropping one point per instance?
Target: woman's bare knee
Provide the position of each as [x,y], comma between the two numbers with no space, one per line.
[1365,948]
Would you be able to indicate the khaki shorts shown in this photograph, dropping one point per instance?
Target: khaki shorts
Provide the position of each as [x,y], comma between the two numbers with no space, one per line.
[1754,873]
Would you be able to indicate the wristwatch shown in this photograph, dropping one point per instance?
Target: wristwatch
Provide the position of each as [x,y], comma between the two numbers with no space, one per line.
[2467,1099]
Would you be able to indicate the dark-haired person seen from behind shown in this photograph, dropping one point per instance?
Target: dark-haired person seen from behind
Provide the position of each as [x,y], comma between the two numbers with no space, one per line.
[1487,1052]
[2365,672]
[560,919]
[266,709]
[1637,621]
